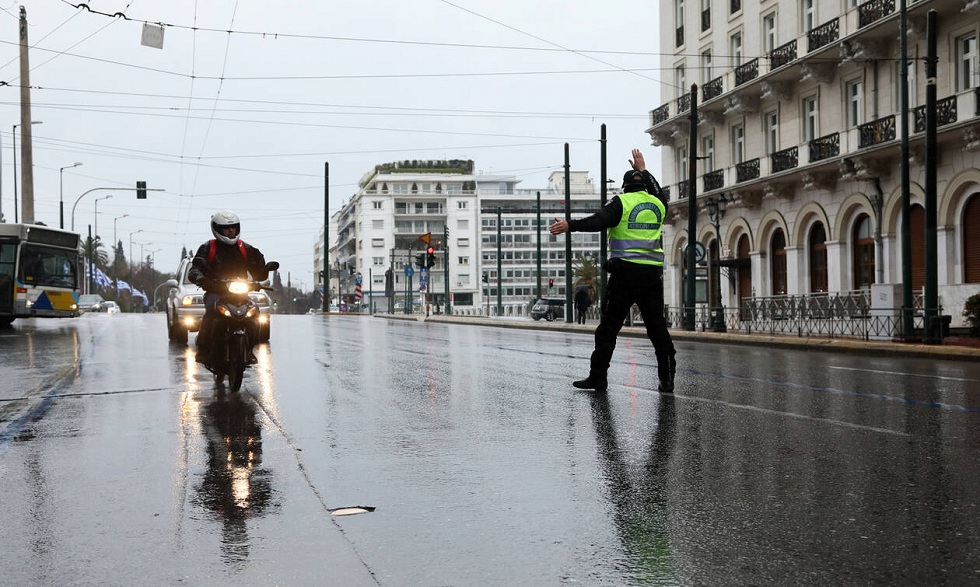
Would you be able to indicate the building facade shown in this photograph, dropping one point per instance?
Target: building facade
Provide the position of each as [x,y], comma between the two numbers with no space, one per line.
[379,228]
[798,131]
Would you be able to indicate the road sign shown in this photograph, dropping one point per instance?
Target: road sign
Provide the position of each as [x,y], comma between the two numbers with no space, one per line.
[426,238]
[423,278]
[409,271]
[358,280]
[698,252]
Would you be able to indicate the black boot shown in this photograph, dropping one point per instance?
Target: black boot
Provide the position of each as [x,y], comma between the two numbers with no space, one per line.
[666,369]
[591,382]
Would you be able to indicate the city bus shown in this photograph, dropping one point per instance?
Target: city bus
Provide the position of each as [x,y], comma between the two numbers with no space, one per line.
[39,272]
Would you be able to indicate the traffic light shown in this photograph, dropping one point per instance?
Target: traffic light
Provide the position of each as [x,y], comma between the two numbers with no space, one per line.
[486,278]
[141,190]
[420,260]
[430,258]
[551,283]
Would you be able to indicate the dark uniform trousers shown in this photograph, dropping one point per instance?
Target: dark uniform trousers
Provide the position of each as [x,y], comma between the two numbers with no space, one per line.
[644,287]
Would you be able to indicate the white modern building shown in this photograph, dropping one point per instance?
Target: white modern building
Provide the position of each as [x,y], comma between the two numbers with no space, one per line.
[799,130]
[380,229]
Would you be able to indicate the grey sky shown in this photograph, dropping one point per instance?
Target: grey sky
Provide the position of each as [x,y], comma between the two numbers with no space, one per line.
[245,120]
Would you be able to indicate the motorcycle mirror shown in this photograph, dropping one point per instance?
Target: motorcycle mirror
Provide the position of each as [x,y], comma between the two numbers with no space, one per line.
[272,266]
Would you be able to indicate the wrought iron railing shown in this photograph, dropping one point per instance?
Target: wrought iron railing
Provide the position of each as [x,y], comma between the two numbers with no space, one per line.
[712,89]
[684,103]
[747,170]
[785,159]
[874,10]
[681,190]
[840,315]
[876,132]
[782,55]
[823,35]
[945,113]
[714,180]
[747,72]
[659,115]
[824,147]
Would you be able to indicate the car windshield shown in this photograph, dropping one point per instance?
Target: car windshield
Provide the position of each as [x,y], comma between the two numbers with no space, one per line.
[89,299]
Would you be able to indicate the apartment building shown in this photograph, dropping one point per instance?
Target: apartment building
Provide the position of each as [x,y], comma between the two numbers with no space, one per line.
[798,138]
[379,228]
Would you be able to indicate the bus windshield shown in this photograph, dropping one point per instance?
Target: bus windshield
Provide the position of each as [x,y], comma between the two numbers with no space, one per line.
[46,266]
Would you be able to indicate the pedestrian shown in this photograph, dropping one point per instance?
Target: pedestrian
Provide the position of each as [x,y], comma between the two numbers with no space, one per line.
[582,303]
[634,221]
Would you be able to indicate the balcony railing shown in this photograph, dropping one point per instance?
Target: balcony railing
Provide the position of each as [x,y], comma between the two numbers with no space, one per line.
[785,159]
[748,71]
[945,114]
[712,89]
[684,103]
[714,180]
[876,132]
[874,10]
[823,35]
[660,115]
[782,55]
[824,147]
[747,170]
[681,190]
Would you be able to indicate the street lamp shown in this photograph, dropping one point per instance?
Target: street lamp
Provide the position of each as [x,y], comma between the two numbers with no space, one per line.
[97,213]
[61,193]
[114,241]
[716,210]
[14,139]
[131,250]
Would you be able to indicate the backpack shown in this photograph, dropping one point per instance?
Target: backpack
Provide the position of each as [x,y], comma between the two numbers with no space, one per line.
[213,249]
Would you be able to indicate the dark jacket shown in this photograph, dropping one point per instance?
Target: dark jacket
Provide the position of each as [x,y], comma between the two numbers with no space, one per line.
[228,263]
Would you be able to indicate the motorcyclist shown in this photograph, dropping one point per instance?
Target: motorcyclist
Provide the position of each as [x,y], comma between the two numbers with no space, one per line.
[225,256]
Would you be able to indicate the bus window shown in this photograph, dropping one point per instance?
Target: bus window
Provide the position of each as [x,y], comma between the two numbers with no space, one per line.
[43,266]
[8,254]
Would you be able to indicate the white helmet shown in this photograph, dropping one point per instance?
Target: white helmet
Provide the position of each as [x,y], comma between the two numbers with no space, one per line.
[224,219]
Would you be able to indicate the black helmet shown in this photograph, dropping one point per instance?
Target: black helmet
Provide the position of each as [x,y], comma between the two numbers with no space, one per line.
[633,182]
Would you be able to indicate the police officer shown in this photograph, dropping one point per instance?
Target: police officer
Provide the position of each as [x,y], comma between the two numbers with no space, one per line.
[634,221]
[225,256]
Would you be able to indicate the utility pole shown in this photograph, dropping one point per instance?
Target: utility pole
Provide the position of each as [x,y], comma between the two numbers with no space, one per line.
[445,261]
[26,150]
[692,215]
[325,298]
[930,301]
[603,198]
[568,241]
[500,267]
[907,303]
[539,244]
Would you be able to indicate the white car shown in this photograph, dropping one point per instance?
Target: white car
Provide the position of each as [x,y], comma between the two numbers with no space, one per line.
[111,307]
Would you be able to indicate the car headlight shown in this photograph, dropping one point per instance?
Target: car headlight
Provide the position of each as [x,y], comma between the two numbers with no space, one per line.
[263,319]
[187,300]
[238,287]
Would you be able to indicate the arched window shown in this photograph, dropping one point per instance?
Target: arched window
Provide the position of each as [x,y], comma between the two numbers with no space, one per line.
[778,251]
[971,240]
[918,226]
[818,259]
[744,274]
[864,253]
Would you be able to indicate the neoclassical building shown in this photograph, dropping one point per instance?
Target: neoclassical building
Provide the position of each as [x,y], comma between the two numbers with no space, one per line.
[798,136]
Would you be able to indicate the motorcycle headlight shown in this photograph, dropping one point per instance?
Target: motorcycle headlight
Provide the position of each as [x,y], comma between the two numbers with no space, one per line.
[224,311]
[251,312]
[238,287]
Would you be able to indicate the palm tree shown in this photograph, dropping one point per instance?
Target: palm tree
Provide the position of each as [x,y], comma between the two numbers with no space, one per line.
[585,271]
[93,248]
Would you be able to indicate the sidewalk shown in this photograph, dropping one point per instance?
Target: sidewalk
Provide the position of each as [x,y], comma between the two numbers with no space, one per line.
[949,350]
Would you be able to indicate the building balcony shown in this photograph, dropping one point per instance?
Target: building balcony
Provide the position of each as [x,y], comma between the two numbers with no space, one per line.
[855,35]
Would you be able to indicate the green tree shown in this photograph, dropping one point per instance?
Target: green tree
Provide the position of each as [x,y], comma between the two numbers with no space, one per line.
[585,271]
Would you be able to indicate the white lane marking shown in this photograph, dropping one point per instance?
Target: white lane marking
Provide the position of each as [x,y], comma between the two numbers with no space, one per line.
[903,374]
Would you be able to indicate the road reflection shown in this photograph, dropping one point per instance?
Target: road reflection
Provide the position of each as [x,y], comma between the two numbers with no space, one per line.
[638,492]
[235,486]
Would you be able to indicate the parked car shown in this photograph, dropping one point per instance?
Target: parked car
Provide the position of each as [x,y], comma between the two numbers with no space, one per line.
[111,307]
[185,306]
[90,303]
[548,308]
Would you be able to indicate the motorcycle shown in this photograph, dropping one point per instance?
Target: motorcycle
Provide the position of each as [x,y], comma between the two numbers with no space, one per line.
[235,330]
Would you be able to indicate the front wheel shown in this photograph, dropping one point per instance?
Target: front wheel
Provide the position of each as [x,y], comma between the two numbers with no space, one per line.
[550,317]
[237,357]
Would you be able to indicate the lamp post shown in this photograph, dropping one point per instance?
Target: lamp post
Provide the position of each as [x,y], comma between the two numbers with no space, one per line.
[14,139]
[131,252]
[61,193]
[716,210]
[97,214]
[114,240]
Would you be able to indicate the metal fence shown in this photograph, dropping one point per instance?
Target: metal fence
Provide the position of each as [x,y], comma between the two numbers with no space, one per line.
[839,315]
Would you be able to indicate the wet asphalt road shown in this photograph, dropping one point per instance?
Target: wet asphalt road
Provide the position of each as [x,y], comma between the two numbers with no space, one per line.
[120,463]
